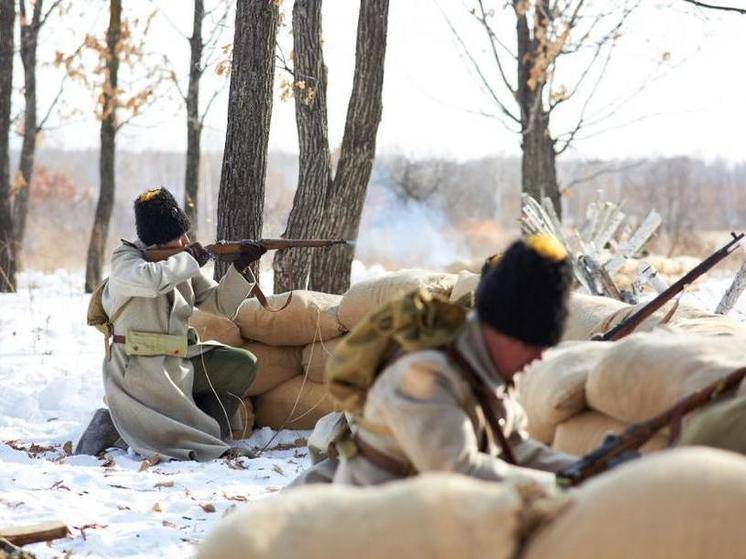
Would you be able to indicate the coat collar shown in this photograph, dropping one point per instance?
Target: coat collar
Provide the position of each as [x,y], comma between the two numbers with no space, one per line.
[470,343]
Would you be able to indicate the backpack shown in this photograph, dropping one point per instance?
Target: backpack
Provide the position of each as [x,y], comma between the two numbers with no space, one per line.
[419,320]
[97,317]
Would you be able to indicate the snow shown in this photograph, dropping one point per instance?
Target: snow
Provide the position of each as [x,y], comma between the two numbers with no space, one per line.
[50,373]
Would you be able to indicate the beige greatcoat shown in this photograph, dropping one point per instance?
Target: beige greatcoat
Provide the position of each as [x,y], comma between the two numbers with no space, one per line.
[150,398]
[422,412]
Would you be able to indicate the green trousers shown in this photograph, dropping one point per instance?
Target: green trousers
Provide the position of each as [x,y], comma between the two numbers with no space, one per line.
[221,378]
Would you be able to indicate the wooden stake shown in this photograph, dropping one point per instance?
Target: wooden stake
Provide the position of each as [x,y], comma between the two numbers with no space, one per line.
[732,294]
[25,535]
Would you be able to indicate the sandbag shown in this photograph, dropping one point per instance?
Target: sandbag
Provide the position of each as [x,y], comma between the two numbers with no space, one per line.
[310,316]
[466,283]
[367,296]
[315,357]
[213,327]
[553,389]
[647,373]
[586,313]
[275,365]
[721,426]
[438,516]
[275,408]
[683,317]
[685,503]
[586,431]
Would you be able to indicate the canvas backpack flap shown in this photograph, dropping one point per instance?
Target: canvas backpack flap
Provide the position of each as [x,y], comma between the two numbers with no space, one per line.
[417,321]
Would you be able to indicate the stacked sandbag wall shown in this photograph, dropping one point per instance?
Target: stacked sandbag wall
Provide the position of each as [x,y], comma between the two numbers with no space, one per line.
[293,345]
[581,391]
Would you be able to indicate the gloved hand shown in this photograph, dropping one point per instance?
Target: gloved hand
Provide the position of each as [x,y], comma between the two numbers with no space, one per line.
[198,252]
[250,252]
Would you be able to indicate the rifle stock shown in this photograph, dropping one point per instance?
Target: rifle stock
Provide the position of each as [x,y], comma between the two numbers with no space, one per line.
[231,250]
[600,459]
[629,325]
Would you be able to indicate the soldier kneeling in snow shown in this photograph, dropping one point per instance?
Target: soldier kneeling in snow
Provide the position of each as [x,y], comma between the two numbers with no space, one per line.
[169,393]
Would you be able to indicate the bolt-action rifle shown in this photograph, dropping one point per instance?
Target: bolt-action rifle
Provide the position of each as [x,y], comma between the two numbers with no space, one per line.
[232,250]
[629,325]
[636,435]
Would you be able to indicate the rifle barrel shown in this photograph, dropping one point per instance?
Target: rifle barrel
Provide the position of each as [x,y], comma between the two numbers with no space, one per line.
[630,324]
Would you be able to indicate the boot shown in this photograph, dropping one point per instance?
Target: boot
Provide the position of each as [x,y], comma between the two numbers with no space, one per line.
[99,435]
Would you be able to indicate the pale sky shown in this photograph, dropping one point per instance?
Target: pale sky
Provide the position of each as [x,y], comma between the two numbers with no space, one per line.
[693,105]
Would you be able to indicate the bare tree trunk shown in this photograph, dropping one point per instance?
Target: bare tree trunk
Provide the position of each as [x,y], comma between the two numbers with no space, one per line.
[241,197]
[7,241]
[330,268]
[29,41]
[538,169]
[194,122]
[539,172]
[292,267]
[107,156]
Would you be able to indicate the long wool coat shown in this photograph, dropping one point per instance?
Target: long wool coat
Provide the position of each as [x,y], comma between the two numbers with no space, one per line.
[426,415]
[150,398]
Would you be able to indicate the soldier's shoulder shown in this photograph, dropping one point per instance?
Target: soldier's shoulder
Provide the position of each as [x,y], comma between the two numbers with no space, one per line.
[127,248]
[433,360]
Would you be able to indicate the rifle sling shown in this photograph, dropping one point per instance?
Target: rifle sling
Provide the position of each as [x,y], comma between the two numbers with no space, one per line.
[257,292]
[487,400]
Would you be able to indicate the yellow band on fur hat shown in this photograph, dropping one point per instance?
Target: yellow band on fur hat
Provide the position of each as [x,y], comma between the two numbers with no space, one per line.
[548,246]
[149,195]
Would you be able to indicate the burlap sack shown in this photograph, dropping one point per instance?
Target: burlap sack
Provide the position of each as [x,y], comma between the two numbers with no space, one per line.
[315,357]
[277,408]
[275,365]
[367,296]
[438,516]
[721,426]
[683,503]
[310,316]
[683,316]
[586,431]
[553,389]
[586,313]
[466,283]
[645,374]
[213,327]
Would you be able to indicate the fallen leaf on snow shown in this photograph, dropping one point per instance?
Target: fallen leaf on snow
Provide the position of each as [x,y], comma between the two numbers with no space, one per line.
[161,484]
[207,507]
[157,507]
[150,462]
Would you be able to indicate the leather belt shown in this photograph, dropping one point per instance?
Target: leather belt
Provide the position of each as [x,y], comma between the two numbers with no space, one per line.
[382,460]
[118,339]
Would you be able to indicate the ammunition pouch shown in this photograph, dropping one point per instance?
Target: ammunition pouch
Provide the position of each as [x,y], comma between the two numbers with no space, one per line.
[149,344]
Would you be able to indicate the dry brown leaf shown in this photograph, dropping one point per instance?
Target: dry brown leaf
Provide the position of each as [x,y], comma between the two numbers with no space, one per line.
[157,507]
[239,498]
[68,448]
[207,507]
[150,462]
[161,484]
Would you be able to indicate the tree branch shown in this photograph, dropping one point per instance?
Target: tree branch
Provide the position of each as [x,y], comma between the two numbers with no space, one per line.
[741,11]
[486,84]
[492,38]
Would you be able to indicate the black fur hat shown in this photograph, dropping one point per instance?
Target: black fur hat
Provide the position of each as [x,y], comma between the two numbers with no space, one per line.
[158,217]
[524,293]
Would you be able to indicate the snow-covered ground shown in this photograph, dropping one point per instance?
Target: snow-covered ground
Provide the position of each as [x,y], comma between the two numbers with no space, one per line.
[50,384]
